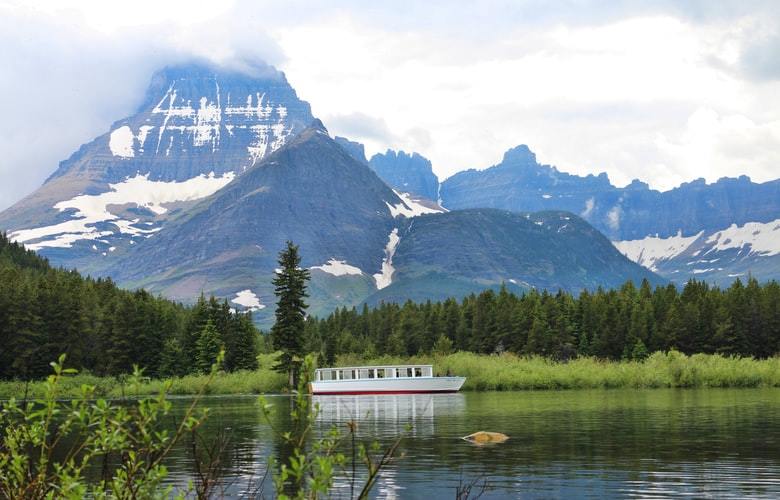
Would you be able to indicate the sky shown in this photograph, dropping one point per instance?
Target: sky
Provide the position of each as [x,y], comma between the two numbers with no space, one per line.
[665,91]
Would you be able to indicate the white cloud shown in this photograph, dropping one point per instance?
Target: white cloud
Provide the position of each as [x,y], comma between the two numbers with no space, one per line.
[714,145]
[590,86]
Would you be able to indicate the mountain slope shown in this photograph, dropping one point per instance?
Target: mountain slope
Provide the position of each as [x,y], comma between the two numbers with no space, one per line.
[310,191]
[715,256]
[468,250]
[197,129]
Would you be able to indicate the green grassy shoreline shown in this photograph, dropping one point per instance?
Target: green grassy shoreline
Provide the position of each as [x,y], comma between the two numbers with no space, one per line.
[504,372]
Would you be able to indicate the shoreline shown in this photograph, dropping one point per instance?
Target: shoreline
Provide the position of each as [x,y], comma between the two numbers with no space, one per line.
[505,372]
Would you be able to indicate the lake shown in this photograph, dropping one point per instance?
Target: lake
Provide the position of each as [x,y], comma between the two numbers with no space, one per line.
[603,443]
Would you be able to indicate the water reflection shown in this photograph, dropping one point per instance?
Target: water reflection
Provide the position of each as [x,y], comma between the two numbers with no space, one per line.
[385,418]
[389,414]
[594,444]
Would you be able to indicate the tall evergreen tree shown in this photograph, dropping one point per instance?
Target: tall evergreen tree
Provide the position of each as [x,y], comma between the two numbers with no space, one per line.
[288,330]
[207,347]
[243,348]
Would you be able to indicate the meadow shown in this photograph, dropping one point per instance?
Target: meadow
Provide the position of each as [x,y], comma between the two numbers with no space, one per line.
[504,372]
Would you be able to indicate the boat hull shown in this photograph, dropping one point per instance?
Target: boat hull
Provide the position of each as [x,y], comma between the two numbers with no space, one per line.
[430,385]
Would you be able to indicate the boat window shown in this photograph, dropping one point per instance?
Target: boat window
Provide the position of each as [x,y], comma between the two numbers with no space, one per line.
[363,373]
[390,372]
[409,372]
[428,371]
[418,372]
[380,373]
[345,375]
[327,374]
[371,373]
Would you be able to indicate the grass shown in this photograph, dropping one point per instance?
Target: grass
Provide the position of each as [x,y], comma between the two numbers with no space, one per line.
[262,380]
[505,372]
[508,372]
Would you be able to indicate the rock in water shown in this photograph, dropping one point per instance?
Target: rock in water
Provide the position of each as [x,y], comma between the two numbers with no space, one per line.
[484,437]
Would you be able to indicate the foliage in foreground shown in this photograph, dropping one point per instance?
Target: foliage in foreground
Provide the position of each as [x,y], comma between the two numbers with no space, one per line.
[51,448]
[48,445]
[312,463]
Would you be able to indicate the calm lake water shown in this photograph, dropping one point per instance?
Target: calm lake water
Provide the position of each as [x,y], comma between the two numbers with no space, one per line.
[616,443]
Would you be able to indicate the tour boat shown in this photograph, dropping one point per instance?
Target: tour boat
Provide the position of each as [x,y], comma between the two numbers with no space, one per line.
[395,379]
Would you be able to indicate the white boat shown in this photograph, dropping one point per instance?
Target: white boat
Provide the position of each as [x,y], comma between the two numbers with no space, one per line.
[392,379]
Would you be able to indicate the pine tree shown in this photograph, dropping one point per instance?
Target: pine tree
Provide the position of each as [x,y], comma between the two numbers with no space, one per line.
[288,331]
[196,320]
[172,360]
[207,347]
[639,352]
[244,347]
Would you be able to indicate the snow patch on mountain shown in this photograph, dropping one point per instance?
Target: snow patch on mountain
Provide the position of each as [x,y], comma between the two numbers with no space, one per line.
[761,238]
[248,300]
[385,277]
[121,142]
[94,209]
[590,203]
[338,268]
[410,207]
[263,120]
[650,250]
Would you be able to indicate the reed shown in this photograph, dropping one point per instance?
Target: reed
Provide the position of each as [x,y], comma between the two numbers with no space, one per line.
[504,372]
[508,372]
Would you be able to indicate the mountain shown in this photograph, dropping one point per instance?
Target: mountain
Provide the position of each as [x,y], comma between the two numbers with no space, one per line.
[311,192]
[199,190]
[737,251]
[355,149]
[197,129]
[362,240]
[656,229]
[465,251]
[408,173]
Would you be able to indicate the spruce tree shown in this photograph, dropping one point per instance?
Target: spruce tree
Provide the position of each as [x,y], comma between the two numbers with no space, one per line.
[243,353]
[207,347]
[172,360]
[288,331]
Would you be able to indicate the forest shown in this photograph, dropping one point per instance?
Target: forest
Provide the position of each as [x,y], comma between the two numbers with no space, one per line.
[105,330]
[628,323]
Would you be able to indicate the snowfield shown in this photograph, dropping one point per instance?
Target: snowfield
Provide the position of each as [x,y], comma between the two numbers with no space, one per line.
[338,268]
[651,250]
[409,208]
[762,238]
[94,209]
[248,300]
[755,238]
[385,277]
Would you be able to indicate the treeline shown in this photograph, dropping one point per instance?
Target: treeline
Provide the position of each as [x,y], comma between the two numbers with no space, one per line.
[627,323]
[46,311]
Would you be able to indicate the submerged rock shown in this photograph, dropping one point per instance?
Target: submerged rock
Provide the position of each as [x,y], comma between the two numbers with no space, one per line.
[484,437]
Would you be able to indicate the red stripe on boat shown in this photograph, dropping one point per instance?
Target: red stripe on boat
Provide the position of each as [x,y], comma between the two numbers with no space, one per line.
[361,393]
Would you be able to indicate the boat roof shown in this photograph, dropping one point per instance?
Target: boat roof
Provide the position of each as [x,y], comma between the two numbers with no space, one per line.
[373,366]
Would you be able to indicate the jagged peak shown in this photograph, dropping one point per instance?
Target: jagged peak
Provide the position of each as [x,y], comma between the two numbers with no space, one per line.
[197,71]
[400,154]
[354,148]
[521,154]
